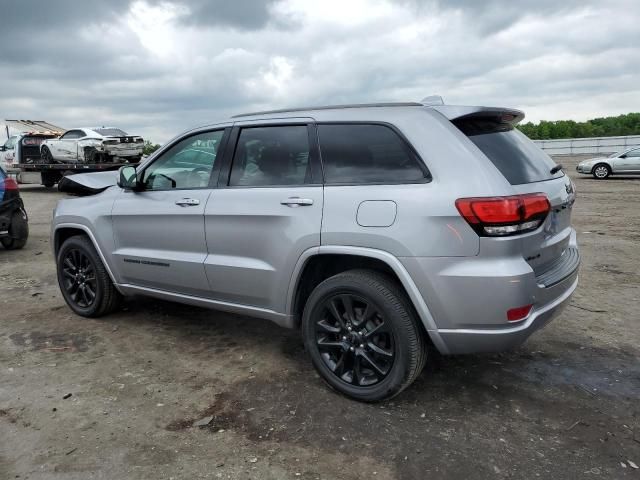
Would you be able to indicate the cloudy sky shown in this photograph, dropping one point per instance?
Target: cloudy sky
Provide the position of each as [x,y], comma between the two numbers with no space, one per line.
[158,67]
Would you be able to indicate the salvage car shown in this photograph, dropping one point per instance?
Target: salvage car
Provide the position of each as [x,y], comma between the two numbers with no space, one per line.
[625,162]
[14,226]
[93,145]
[383,231]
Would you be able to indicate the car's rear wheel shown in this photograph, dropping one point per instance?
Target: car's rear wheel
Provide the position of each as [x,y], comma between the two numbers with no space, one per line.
[601,171]
[18,231]
[362,335]
[83,279]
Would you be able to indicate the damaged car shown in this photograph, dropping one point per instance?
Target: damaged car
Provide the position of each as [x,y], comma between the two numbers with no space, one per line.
[93,145]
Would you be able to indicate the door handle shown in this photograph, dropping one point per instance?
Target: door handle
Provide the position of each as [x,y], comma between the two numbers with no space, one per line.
[188,202]
[297,202]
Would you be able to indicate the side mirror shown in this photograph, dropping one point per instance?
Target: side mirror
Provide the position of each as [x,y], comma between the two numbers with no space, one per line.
[128,178]
[624,155]
[3,148]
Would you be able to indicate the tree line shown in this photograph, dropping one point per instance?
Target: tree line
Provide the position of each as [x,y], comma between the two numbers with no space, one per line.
[628,124]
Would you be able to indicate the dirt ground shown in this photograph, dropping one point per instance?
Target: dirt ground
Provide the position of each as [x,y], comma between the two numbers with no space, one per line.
[564,405]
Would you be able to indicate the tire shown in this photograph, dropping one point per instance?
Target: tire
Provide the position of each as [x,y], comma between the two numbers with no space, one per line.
[45,155]
[341,349]
[601,171]
[80,272]
[18,231]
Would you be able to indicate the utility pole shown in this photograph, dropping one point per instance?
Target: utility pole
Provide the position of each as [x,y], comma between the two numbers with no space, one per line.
[7,129]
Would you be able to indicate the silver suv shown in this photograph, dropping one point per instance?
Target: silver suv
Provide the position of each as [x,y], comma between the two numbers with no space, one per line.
[383,231]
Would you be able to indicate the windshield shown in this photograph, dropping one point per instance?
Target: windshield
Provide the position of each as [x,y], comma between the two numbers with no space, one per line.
[110,132]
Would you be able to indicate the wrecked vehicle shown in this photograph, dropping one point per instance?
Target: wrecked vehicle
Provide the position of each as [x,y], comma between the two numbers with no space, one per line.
[14,226]
[93,145]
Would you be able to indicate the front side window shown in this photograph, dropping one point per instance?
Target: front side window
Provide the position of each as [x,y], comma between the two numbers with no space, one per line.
[11,143]
[277,155]
[362,153]
[188,164]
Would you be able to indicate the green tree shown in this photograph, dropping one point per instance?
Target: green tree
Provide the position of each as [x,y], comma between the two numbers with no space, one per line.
[149,147]
[627,124]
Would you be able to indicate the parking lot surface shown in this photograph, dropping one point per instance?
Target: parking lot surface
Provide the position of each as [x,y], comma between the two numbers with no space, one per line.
[117,397]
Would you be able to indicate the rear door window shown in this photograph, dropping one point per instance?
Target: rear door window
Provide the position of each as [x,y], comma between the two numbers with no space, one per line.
[367,153]
[519,159]
[271,156]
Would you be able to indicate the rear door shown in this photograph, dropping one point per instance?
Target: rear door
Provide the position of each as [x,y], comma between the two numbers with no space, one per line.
[266,213]
[159,232]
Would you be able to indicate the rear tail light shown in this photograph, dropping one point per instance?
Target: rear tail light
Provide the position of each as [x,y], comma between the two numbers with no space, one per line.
[501,216]
[10,185]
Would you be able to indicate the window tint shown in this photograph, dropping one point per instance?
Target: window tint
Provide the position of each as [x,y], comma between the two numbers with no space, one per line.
[367,154]
[519,160]
[188,164]
[271,156]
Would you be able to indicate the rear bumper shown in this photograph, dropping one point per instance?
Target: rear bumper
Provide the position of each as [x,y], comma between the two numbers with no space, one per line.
[459,341]
[469,297]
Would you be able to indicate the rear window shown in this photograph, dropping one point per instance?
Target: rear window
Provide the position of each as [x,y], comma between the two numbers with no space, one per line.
[367,153]
[110,132]
[511,151]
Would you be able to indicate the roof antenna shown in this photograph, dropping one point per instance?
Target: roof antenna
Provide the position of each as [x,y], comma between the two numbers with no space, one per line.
[432,100]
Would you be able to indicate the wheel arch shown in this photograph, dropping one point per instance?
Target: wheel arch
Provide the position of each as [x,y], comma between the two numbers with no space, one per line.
[306,276]
[64,231]
[602,162]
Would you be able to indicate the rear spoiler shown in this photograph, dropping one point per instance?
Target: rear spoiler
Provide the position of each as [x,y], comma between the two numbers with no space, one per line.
[502,115]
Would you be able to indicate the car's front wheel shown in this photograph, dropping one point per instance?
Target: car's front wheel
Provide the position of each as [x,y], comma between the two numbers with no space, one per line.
[362,335]
[83,279]
[601,171]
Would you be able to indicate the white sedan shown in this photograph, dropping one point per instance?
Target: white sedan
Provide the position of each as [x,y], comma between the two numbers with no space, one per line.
[92,145]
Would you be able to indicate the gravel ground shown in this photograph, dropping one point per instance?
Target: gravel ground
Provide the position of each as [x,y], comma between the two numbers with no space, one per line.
[117,397]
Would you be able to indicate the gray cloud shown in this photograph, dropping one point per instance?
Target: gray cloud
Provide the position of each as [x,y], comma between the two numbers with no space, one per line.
[159,67]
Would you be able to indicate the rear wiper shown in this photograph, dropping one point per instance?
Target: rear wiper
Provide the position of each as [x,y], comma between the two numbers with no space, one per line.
[555,169]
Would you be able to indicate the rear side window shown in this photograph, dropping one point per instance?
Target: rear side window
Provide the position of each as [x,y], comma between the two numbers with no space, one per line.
[364,153]
[269,156]
[511,151]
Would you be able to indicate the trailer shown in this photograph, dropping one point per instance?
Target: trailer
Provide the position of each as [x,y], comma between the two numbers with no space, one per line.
[52,173]
[23,160]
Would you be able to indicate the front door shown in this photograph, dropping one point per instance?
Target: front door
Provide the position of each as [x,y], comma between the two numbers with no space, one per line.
[630,162]
[159,231]
[266,213]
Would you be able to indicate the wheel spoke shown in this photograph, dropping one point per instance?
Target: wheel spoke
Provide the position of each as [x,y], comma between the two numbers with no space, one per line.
[327,327]
[379,328]
[90,292]
[333,308]
[68,274]
[347,303]
[373,364]
[323,342]
[380,350]
[69,263]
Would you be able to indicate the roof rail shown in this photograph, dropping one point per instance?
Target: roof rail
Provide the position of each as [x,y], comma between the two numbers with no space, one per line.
[332,107]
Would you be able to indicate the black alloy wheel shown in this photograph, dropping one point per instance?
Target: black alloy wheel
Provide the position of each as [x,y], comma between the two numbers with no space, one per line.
[84,281]
[79,276]
[354,340]
[362,335]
